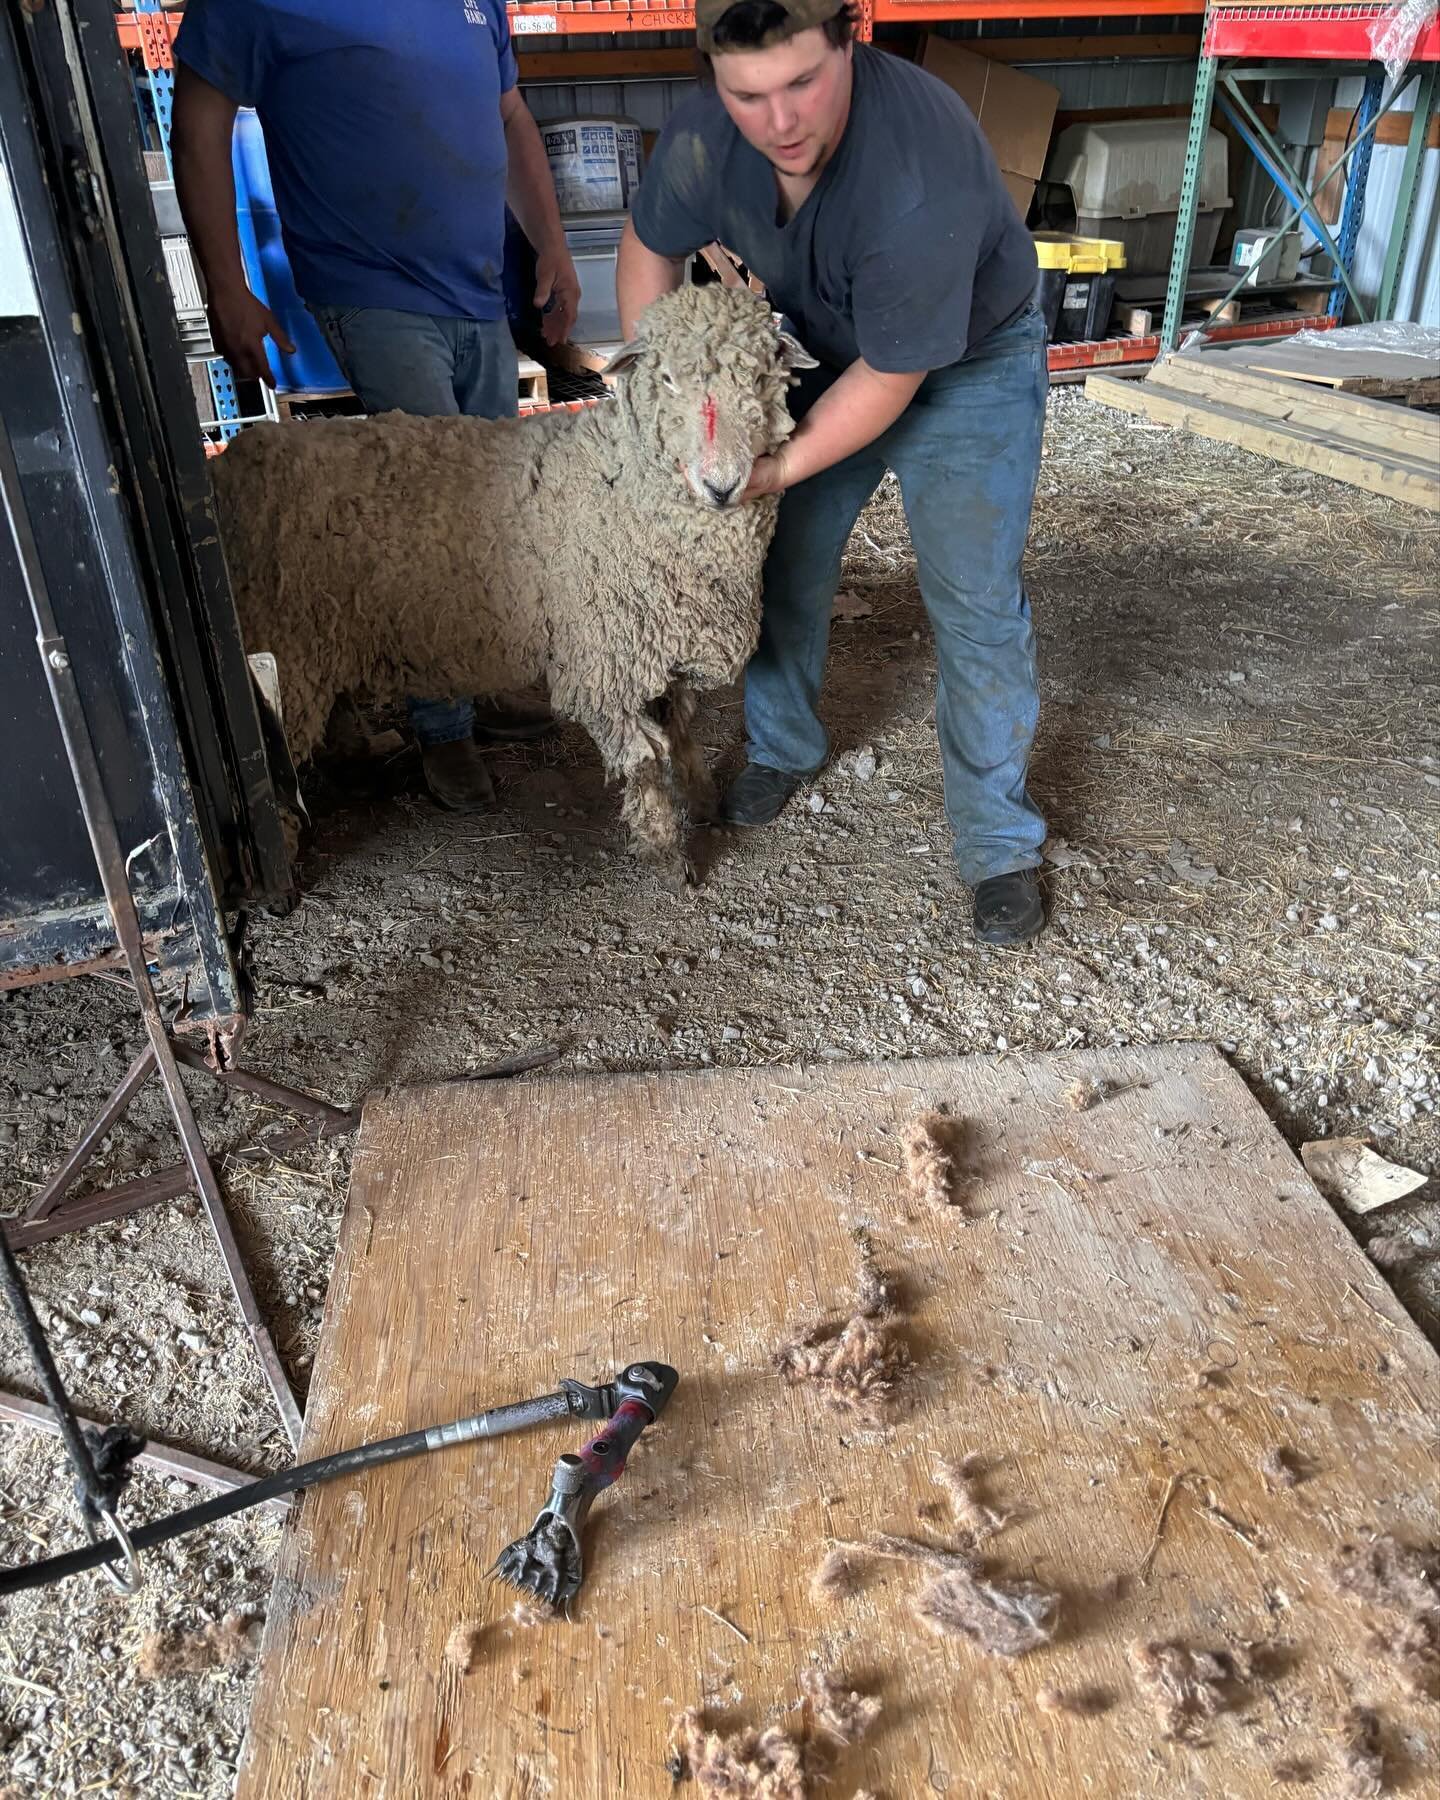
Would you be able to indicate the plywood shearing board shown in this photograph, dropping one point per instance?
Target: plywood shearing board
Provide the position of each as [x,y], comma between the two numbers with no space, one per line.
[1143,1288]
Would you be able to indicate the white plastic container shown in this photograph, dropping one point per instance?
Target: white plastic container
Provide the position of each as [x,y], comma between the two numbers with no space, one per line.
[595,162]
[1125,179]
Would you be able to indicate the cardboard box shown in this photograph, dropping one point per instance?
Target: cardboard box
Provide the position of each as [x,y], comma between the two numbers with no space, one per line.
[1014,110]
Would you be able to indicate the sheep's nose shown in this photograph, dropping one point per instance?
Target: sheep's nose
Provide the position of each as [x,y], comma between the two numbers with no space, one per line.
[720,491]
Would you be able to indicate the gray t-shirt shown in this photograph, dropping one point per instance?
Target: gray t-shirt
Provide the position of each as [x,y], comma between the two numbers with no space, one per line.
[908,251]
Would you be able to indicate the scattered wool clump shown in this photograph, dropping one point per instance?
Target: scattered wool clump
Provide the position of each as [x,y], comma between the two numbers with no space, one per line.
[1002,1618]
[1281,1467]
[836,1576]
[1083,1702]
[1390,1252]
[1293,1772]
[772,1764]
[1081,1095]
[361,554]
[1405,1582]
[232,1643]
[1185,1687]
[530,1614]
[930,1164]
[961,1482]
[843,1717]
[1360,1755]
[740,1765]
[462,1647]
[860,1372]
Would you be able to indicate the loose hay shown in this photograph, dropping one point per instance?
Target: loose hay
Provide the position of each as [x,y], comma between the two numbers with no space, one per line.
[836,1577]
[843,1717]
[1406,1583]
[930,1161]
[1002,1618]
[232,1643]
[1185,1687]
[1084,1703]
[1359,1754]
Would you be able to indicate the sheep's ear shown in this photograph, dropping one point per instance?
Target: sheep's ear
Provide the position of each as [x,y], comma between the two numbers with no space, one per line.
[794,355]
[625,358]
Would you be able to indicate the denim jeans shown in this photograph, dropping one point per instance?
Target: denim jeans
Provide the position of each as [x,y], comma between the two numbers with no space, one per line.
[967,453]
[424,363]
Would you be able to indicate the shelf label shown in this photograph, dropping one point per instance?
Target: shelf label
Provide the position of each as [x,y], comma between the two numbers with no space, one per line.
[533,24]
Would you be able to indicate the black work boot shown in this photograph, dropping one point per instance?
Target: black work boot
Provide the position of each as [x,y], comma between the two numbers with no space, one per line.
[757,795]
[456,776]
[512,720]
[1008,908]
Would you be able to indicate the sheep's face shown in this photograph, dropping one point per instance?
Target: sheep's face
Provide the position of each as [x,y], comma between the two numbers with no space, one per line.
[705,389]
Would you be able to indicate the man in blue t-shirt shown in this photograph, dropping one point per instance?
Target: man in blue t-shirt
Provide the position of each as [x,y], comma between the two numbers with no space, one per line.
[861,192]
[395,135]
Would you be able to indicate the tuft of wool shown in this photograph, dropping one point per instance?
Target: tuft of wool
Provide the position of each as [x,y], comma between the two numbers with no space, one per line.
[740,1765]
[1185,1687]
[836,1577]
[843,1717]
[1002,1618]
[961,1483]
[1402,1582]
[1360,1755]
[462,1647]
[1281,1467]
[231,1643]
[930,1162]
[859,1373]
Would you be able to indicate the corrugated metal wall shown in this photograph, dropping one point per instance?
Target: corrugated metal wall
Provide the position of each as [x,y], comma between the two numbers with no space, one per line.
[1418,295]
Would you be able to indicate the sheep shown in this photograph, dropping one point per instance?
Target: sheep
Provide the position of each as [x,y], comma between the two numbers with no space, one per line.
[604,552]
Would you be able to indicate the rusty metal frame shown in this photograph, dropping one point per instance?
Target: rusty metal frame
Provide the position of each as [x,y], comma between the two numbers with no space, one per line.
[52,1214]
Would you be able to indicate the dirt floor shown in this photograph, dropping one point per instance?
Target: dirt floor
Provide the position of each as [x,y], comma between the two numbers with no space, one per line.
[1239,760]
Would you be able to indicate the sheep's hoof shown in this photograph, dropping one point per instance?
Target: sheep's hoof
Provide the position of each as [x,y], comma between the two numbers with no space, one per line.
[675,870]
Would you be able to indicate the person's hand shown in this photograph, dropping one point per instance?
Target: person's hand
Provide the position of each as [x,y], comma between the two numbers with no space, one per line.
[240,324]
[557,294]
[768,476]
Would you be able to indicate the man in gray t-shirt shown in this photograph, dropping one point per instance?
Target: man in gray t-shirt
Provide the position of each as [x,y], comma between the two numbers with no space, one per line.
[862,193]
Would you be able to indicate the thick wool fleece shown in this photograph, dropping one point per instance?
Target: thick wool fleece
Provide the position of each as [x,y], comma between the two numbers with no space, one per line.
[458,556]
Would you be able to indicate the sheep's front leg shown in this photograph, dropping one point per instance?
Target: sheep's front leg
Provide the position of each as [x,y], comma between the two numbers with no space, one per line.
[691,769]
[637,753]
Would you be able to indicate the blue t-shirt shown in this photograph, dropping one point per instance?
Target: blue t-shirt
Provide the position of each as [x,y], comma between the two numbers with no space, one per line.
[383,133]
[907,252]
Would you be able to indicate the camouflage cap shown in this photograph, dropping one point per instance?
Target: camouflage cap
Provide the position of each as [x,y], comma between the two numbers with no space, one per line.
[801,15]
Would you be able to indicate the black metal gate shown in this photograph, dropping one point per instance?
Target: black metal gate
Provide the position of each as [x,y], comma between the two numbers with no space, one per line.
[99,412]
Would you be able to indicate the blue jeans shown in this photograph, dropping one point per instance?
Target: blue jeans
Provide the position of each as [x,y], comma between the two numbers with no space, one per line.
[424,363]
[967,454]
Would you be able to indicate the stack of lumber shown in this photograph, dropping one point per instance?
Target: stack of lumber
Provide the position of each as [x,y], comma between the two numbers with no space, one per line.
[1298,410]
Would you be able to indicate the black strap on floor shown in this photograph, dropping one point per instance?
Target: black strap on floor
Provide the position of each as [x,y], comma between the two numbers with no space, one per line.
[101,1460]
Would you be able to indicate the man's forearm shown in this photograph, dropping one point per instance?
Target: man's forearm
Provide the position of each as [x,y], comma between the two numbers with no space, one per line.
[640,277]
[529,186]
[863,404]
[205,186]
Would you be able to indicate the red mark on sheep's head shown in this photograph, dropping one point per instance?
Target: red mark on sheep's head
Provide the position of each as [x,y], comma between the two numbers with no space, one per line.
[710,414]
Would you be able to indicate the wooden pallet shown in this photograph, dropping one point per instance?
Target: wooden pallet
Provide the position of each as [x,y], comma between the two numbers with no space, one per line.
[1131,1307]
[1366,443]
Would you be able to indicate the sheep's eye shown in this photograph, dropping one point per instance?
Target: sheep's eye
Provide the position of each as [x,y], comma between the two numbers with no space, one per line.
[670,382]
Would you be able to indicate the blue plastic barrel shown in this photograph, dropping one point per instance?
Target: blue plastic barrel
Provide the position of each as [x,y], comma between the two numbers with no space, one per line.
[267,269]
